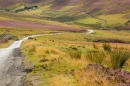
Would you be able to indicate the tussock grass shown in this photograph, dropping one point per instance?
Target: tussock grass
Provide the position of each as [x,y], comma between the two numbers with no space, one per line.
[118,57]
[53,64]
[77,54]
[106,47]
[95,56]
[56,68]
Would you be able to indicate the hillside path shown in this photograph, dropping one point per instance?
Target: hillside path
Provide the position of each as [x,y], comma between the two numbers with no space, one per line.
[103,21]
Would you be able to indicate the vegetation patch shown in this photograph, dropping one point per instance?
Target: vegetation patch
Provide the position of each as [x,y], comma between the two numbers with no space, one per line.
[64,60]
[118,57]
[114,20]
[95,56]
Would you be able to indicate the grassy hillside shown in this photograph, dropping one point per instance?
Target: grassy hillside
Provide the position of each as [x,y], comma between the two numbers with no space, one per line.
[116,20]
[89,6]
[60,60]
[73,57]
[75,12]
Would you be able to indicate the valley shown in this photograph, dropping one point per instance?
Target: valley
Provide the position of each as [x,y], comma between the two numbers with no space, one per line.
[64,43]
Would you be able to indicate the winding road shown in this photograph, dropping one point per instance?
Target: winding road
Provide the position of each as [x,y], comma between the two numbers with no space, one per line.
[11,64]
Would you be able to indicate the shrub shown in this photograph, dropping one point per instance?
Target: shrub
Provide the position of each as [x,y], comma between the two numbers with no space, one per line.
[96,56]
[3,40]
[107,47]
[75,54]
[118,57]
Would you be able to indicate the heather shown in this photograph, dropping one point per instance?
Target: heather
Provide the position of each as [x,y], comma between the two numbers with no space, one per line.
[82,42]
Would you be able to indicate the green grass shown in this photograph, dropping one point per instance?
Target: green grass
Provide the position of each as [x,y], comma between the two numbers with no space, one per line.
[77,54]
[88,20]
[118,57]
[96,56]
[72,18]
[37,12]
[53,65]
[114,20]
[21,32]
[43,14]
[98,36]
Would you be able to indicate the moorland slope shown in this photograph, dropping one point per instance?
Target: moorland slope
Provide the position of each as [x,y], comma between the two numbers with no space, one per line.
[89,6]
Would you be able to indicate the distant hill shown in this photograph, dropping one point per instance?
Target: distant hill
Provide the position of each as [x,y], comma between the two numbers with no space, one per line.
[89,6]
[115,13]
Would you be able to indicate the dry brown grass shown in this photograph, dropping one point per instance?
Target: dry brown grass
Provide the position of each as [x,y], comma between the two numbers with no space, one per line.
[61,69]
[31,43]
[41,51]
[59,80]
[90,78]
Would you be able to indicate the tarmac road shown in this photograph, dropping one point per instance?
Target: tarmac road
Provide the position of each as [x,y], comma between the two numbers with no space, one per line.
[90,31]
[11,65]
[12,71]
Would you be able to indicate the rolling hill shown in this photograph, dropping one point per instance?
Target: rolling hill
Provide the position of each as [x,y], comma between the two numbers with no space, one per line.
[76,11]
[78,36]
[88,6]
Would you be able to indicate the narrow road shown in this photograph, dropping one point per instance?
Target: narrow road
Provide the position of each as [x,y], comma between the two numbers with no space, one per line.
[103,21]
[11,64]
[103,26]
[90,31]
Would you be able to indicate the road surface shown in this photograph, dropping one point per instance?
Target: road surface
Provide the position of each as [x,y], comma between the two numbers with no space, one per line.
[90,31]
[11,64]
